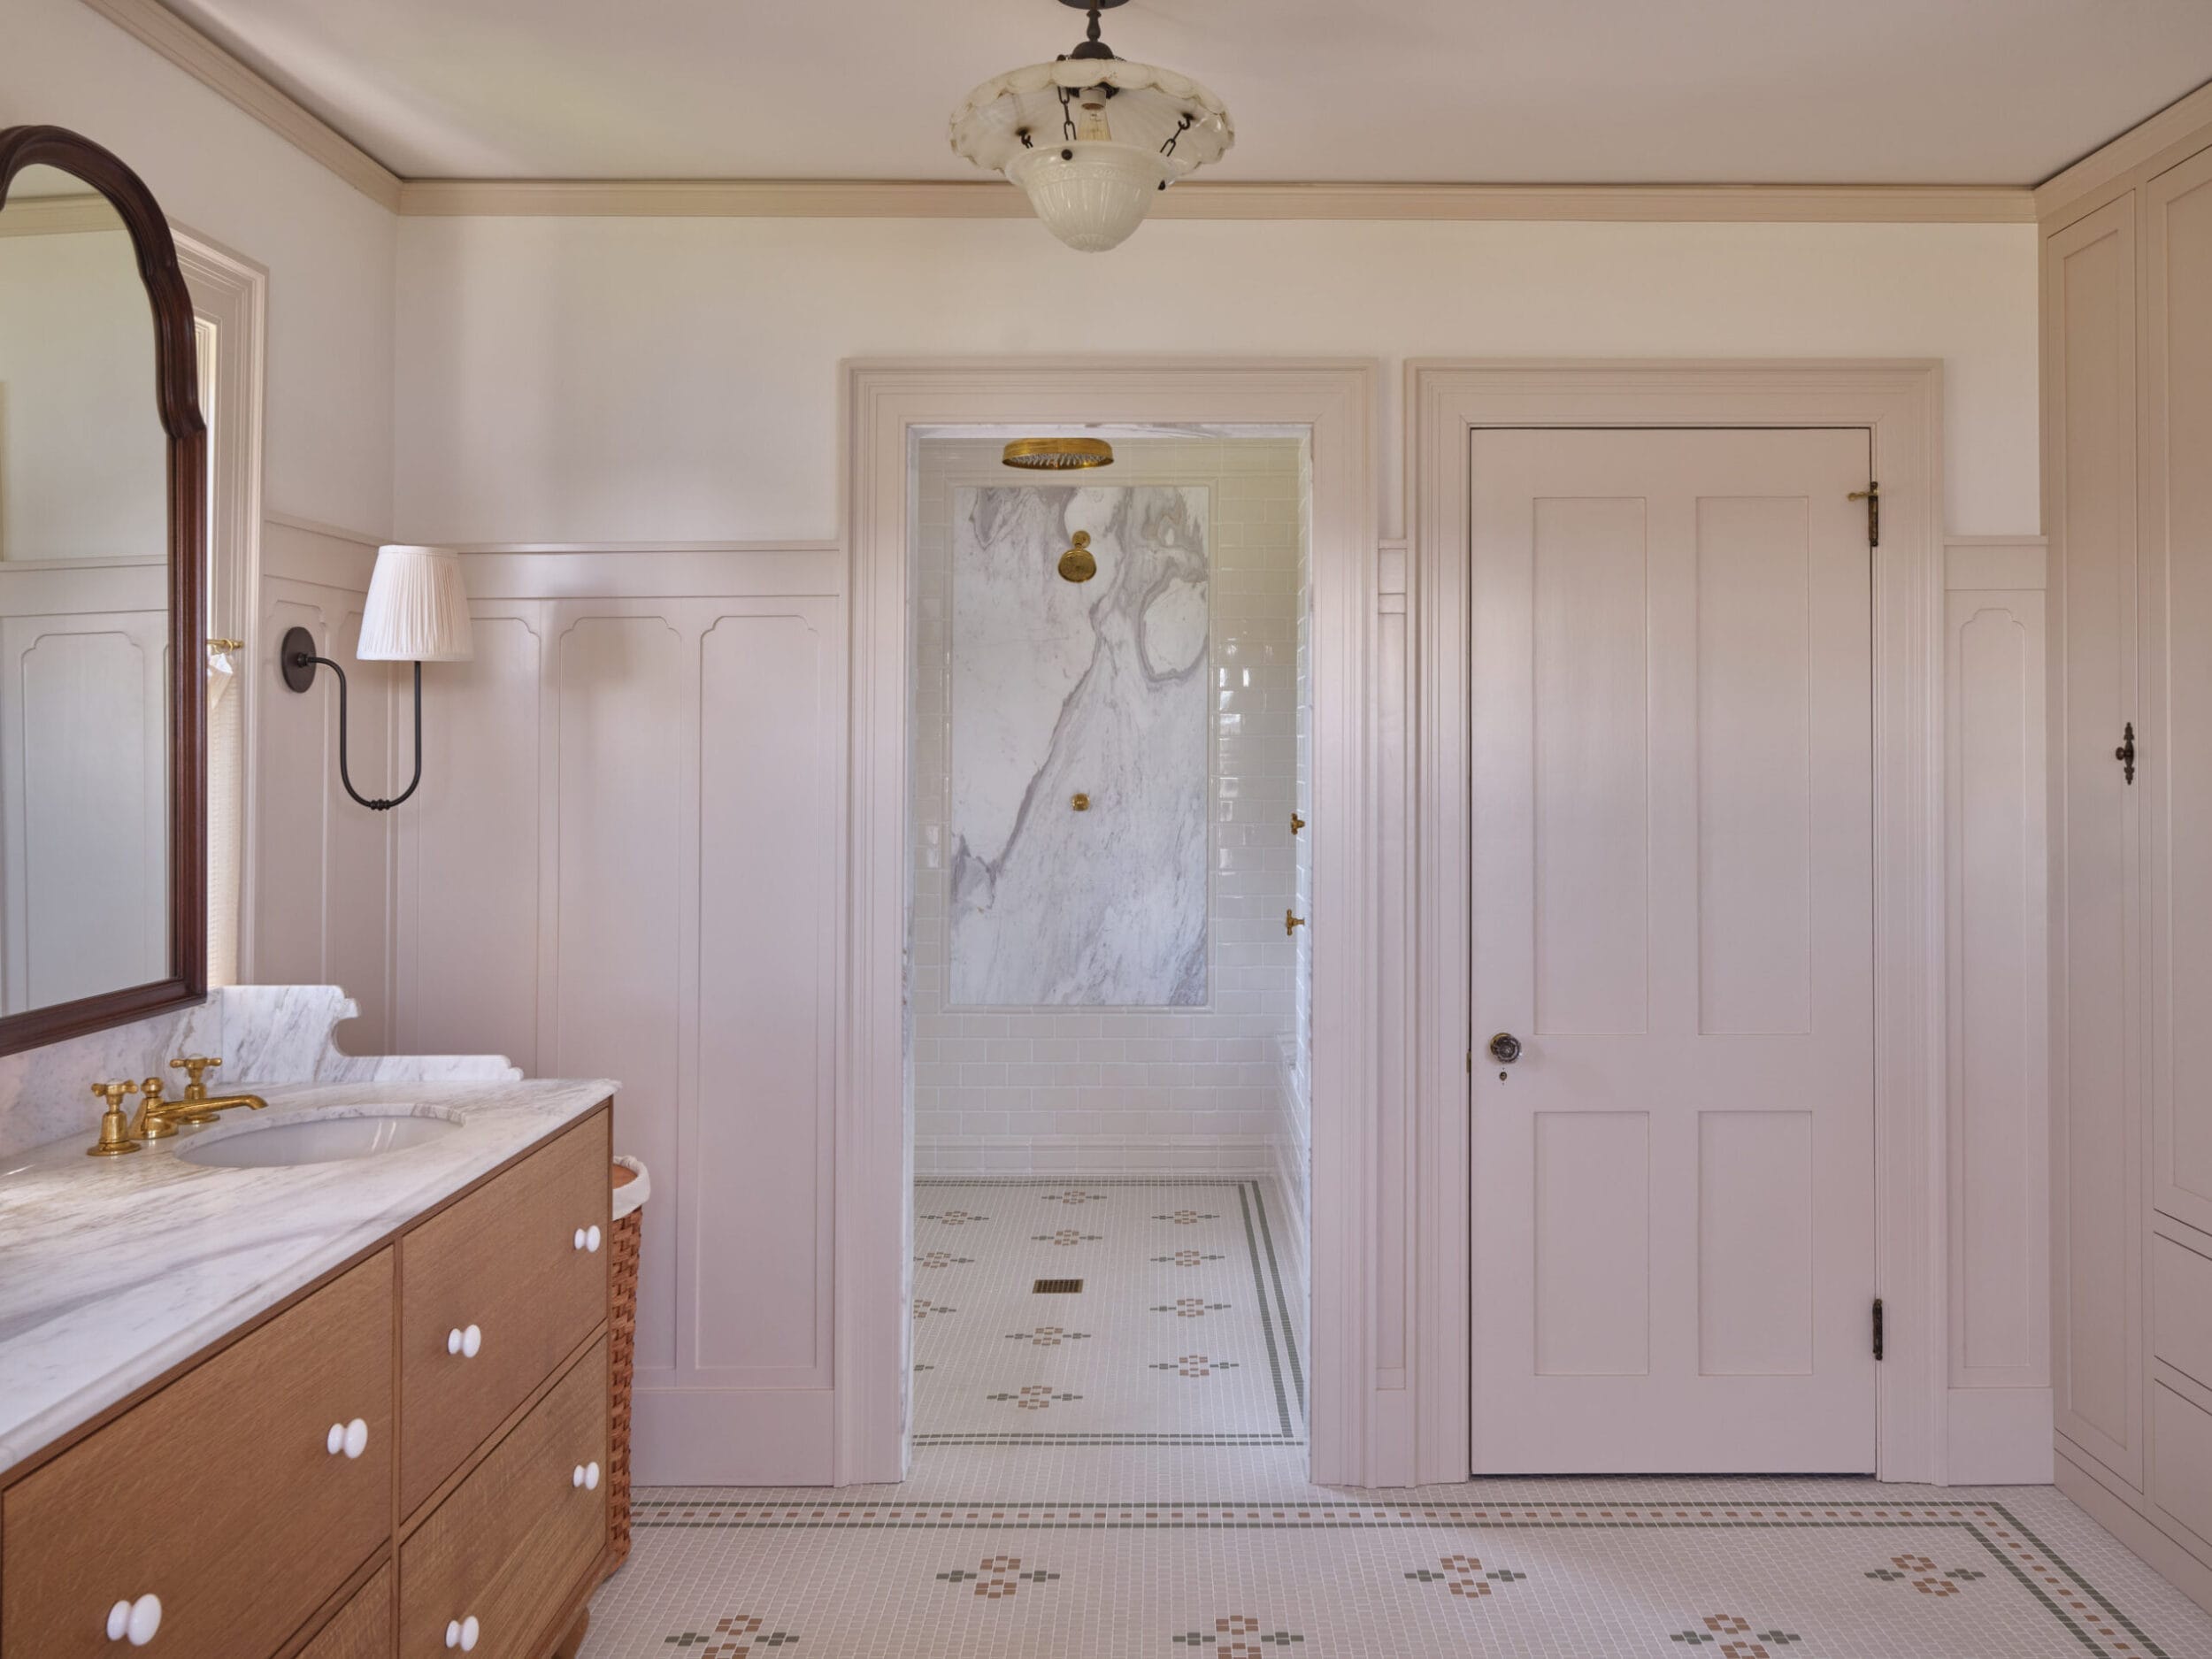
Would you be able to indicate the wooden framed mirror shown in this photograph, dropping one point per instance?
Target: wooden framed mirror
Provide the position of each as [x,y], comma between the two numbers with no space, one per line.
[103,576]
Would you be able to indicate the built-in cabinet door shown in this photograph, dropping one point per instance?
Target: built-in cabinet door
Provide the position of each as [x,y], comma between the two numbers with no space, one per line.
[2175,724]
[2089,282]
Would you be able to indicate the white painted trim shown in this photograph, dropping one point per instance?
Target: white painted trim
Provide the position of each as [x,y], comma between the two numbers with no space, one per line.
[1995,564]
[317,526]
[232,292]
[2181,127]
[1219,199]
[216,66]
[59,216]
[1353,1440]
[1902,404]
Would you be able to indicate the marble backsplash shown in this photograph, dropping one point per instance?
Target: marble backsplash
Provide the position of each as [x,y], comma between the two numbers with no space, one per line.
[1126,1089]
[1096,688]
[263,1033]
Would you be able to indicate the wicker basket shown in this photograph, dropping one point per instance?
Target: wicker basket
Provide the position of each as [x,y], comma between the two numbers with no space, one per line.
[628,1230]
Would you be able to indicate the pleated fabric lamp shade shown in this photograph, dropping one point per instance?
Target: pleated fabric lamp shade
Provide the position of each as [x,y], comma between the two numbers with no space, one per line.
[418,609]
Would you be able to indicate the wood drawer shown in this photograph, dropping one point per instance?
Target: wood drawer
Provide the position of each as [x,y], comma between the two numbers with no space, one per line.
[514,1539]
[362,1628]
[218,1495]
[504,1260]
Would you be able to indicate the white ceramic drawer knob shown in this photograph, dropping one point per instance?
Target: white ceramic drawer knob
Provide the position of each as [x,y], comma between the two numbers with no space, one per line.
[591,1241]
[352,1437]
[139,1621]
[580,1238]
[587,1476]
[465,1342]
[462,1633]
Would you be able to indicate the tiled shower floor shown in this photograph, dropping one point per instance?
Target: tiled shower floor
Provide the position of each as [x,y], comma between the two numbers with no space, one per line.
[1124,1521]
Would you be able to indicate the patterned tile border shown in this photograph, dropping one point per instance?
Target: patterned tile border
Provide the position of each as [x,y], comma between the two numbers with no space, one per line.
[1275,1321]
[2082,1610]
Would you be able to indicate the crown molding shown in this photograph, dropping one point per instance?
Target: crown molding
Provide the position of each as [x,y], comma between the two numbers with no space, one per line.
[993,199]
[215,66]
[2182,124]
[59,215]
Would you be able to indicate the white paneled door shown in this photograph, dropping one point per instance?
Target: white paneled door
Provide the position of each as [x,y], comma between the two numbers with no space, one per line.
[1673,916]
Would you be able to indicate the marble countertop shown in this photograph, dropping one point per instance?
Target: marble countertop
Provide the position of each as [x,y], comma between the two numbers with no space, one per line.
[113,1270]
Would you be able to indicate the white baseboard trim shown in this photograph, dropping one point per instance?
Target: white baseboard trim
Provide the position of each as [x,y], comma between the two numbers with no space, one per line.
[1999,1437]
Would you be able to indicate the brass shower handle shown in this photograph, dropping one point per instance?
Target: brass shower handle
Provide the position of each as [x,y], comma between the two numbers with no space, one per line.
[1079,800]
[1291,922]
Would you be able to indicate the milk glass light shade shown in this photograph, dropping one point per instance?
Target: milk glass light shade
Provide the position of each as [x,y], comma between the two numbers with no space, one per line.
[418,609]
[1091,141]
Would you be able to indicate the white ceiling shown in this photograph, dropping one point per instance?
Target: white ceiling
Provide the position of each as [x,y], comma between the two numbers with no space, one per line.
[1490,91]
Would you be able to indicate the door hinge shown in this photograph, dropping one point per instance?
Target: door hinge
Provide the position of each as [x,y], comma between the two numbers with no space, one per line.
[1470,1063]
[1872,496]
[2125,753]
[1877,1327]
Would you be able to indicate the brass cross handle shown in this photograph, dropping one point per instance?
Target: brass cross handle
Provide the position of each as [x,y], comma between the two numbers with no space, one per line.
[198,1066]
[115,1137]
[1293,921]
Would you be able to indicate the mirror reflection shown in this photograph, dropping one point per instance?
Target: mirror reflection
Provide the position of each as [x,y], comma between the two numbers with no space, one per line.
[84,621]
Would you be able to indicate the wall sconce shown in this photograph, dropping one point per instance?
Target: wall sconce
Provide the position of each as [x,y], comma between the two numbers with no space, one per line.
[417,611]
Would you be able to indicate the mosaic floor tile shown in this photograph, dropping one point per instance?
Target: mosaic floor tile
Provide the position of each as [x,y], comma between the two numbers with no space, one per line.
[1062,1548]
[1185,1329]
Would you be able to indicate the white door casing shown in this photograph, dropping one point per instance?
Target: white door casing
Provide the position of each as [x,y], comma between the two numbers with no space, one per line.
[1361,1428]
[1900,401]
[1673,914]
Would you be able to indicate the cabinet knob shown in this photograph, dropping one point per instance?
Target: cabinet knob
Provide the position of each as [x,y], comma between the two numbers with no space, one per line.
[139,1621]
[465,1342]
[580,1238]
[591,1241]
[352,1437]
[462,1633]
[587,1476]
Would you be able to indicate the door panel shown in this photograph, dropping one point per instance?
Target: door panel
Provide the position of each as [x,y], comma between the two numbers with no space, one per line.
[2090,307]
[2177,669]
[1673,878]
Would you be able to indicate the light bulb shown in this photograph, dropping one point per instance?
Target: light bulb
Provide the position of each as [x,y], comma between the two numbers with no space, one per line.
[1090,120]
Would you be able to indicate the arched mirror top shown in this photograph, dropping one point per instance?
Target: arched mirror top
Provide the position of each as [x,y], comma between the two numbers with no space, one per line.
[103,482]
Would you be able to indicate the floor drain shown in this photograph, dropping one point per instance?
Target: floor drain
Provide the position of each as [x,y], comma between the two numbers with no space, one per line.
[1056,1288]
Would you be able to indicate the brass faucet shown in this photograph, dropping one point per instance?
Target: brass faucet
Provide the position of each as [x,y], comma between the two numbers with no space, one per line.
[115,1137]
[157,1118]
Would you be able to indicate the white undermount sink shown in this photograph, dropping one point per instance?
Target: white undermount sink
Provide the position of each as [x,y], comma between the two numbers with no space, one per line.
[323,1138]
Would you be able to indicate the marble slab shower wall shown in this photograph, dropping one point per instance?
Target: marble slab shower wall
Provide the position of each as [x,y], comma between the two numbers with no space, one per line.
[1093,690]
[1082,1083]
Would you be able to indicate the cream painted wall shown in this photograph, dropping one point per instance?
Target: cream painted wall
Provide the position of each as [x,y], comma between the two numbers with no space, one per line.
[328,249]
[630,379]
[319,877]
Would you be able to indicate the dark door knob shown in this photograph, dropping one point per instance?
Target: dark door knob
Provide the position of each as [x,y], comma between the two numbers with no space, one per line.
[1505,1047]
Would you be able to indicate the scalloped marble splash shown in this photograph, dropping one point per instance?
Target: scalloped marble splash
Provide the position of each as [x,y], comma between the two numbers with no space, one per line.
[1098,688]
[265,1033]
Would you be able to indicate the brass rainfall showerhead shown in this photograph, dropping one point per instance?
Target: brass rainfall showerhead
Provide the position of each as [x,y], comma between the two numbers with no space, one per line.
[1057,455]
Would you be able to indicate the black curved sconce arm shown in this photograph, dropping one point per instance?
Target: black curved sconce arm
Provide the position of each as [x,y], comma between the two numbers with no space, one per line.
[299,661]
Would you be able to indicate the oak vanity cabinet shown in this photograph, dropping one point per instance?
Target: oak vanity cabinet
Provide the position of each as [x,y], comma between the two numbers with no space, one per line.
[408,1458]
[2127,451]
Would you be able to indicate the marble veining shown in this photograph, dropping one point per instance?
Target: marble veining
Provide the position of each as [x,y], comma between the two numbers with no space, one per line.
[265,1033]
[1098,688]
[117,1269]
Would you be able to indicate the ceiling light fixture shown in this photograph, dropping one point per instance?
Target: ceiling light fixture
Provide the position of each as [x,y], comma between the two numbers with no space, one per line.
[1092,138]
